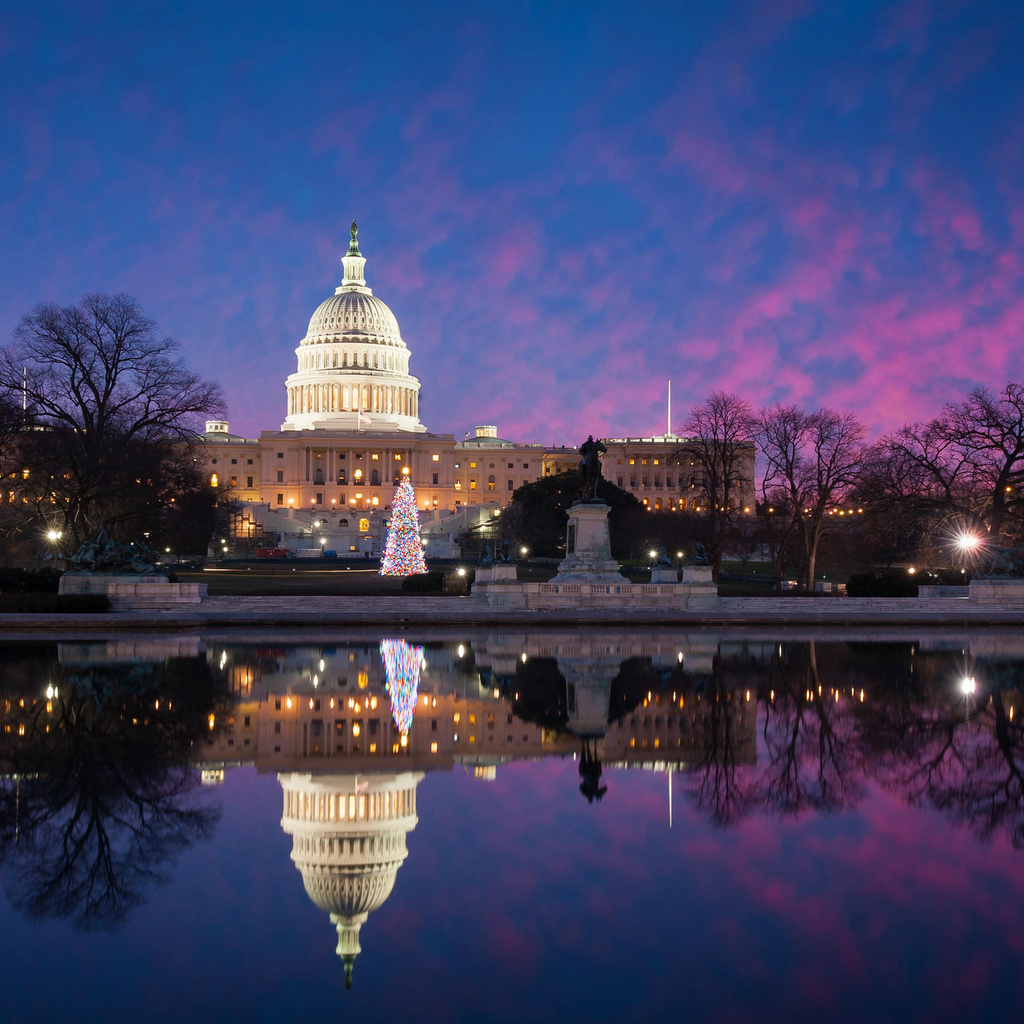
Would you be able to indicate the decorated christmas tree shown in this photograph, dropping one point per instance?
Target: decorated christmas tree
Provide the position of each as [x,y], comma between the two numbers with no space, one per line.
[403,554]
[402,675]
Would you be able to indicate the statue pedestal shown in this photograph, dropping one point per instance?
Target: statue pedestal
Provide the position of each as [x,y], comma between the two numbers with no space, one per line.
[588,548]
[701,589]
[499,584]
[499,572]
[664,574]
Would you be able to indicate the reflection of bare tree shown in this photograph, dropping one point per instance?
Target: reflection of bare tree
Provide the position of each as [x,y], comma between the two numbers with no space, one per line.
[915,734]
[98,796]
[810,743]
[810,757]
[715,784]
[961,754]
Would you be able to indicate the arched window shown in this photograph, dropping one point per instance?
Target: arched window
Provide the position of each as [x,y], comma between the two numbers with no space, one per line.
[375,478]
[490,483]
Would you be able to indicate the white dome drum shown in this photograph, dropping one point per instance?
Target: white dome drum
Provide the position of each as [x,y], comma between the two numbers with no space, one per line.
[353,366]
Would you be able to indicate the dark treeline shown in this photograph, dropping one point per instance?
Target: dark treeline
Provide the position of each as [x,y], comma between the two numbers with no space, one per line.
[945,493]
[924,493]
[99,424]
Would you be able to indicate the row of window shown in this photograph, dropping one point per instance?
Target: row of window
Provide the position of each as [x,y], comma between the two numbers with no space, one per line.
[492,484]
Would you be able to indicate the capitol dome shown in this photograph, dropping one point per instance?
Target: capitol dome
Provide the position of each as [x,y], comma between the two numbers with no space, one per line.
[348,842]
[353,366]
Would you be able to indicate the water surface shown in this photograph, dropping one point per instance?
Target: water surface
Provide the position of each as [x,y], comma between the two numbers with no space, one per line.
[542,827]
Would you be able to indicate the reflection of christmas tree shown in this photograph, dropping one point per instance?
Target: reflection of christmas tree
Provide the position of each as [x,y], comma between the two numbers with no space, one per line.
[403,555]
[402,673]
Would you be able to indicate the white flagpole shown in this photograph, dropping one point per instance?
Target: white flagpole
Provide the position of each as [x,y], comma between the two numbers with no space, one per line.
[668,428]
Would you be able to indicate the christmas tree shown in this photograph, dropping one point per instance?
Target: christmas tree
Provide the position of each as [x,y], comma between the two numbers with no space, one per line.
[402,675]
[403,554]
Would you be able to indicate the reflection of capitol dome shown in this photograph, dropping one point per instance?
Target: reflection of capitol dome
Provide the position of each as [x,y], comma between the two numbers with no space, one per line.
[348,841]
[353,366]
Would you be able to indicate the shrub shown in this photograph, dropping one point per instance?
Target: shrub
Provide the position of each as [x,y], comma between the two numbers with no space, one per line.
[882,583]
[430,582]
[40,603]
[29,581]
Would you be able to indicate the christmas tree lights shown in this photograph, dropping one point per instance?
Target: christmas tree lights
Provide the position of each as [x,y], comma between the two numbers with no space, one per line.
[402,677]
[403,553]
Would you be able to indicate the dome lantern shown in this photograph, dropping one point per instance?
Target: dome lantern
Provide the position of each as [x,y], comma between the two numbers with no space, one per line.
[353,262]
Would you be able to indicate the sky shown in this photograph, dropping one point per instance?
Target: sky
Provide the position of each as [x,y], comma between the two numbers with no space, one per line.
[566,205]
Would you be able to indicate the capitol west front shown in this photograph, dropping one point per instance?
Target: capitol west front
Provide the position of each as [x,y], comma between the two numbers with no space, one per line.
[352,433]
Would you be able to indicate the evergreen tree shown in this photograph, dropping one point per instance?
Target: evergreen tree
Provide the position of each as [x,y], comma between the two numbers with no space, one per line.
[403,554]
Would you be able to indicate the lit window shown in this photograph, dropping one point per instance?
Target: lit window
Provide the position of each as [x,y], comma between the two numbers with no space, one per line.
[364,525]
[435,458]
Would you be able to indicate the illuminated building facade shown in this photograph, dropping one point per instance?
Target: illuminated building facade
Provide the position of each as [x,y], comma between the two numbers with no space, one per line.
[352,432]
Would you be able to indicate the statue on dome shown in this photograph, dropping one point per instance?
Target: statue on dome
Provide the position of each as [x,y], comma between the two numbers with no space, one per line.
[590,468]
[353,248]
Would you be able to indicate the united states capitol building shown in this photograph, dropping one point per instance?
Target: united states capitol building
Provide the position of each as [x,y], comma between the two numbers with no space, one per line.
[352,433]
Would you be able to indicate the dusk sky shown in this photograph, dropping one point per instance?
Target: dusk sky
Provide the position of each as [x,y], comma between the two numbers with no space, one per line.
[565,205]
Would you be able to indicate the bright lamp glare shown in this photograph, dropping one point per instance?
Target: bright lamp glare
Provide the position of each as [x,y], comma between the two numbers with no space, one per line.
[967,685]
[967,541]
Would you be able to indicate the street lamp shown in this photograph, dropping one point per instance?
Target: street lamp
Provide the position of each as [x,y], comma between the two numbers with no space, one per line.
[967,542]
[54,536]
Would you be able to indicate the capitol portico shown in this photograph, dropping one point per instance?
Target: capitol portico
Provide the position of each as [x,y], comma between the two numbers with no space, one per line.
[352,432]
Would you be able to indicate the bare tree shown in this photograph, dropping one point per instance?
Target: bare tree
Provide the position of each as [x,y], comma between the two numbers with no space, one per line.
[963,470]
[110,411]
[812,458]
[723,427]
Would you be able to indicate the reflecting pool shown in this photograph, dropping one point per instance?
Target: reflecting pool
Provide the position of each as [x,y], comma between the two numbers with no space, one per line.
[508,826]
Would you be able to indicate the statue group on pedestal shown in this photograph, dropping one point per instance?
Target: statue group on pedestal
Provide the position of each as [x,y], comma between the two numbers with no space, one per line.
[103,555]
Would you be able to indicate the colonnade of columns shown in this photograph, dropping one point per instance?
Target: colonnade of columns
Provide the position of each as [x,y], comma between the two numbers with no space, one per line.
[353,466]
[387,399]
